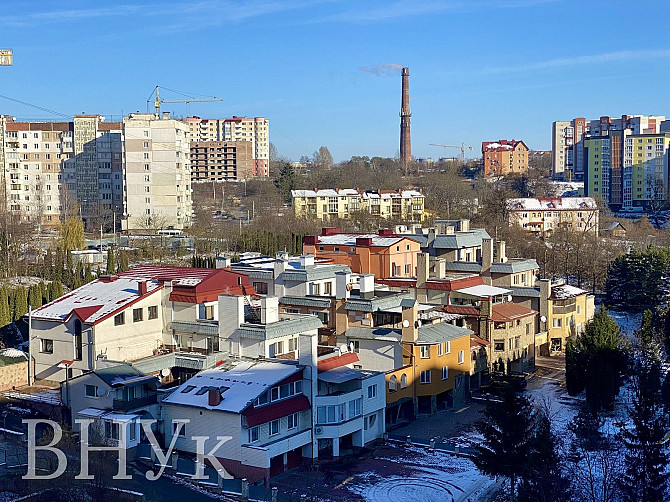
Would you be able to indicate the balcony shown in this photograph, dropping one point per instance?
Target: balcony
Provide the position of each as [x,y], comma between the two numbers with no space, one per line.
[132,404]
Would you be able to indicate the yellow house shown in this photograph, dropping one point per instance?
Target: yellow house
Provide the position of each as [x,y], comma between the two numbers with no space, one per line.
[566,310]
[327,204]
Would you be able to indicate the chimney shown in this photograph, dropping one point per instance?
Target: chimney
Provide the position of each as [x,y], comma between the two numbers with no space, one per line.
[502,253]
[441,268]
[222,262]
[487,258]
[485,308]
[410,317]
[465,225]
[214,397]
[142,288]
[307,357]
[385,232]
[367,286]
[269,309]
[310,240]
[342,288]
[330,230]
[166,115]
[405,114]
[231,314]
[306,260]
[280,265]
[108,278]
[449,230]
[364,241]
[422,269]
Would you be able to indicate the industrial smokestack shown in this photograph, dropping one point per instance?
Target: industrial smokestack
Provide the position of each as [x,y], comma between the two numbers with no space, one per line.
[405,135]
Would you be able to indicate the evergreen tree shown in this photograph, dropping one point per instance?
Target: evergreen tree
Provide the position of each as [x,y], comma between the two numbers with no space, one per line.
[596,360]
[507,430]
[78,277]
[20,303]
[35,297]
[286,181]
[5,313]
[586,427]
[98,272]
[57,290]
[646,477]
[111,261]
[544,481]
[123,261]
[88,275]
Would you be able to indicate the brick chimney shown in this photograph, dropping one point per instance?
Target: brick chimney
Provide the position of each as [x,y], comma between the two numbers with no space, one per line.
[142,288]
[214,397]
[487,259]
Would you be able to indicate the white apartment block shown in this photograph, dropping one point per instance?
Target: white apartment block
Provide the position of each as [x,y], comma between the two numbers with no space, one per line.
[51,168]
[568,160]
[158,174]
[256,130]
[548,214]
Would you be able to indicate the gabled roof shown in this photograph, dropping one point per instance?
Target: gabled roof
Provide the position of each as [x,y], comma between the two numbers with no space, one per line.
[514,266]
[565,291]
[95,301]
[460,240]
[329,363]
[241,381]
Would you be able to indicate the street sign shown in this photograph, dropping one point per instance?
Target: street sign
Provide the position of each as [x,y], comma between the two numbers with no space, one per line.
[6,57]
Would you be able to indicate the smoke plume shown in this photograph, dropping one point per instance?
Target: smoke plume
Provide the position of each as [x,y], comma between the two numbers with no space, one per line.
[382,69]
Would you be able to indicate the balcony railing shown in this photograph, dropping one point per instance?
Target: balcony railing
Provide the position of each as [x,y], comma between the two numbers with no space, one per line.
[138,402]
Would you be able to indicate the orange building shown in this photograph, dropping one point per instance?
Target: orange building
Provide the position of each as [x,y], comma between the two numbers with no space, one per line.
[385,254]
[504,157]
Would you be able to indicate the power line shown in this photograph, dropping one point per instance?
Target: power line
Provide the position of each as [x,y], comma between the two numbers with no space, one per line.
[35,106]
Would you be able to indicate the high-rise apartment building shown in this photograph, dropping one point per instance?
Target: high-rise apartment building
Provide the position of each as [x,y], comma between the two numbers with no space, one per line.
[158,174]
[51,169]
[504,157]
[625,170]
[255,130]
[568,158]
[221,160]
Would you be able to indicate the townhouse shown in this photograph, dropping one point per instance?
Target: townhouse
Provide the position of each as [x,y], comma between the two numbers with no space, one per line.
[545,215]
[144,312]
[384,255]
[345,203]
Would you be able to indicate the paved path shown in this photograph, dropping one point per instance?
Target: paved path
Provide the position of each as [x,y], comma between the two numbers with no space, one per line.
[442,425]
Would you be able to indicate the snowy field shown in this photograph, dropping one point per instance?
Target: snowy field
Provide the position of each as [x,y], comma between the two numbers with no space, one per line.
[423,476]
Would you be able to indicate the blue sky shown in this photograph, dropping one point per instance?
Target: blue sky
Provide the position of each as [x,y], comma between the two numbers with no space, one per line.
[321,70]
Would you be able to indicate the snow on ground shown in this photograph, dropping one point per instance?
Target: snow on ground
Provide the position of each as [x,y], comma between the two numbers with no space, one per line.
[427,477]
[627,321]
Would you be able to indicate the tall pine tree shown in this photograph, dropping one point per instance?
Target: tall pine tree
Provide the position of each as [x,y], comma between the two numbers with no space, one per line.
[507,429]
[646,477]
[111,261]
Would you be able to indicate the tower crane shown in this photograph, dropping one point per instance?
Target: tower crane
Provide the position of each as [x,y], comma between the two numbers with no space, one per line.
[462,148]
[158,100]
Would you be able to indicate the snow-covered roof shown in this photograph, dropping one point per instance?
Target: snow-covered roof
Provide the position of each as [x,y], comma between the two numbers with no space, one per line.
[240,384]
[350,239]
[95,301]
[565,291]
[551,203]
[484,290]
[351,192]
[107,415]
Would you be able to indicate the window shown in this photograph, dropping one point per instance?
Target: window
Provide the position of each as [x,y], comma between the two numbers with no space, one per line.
[445,372]
[91,390]
[133,433]
[179,428]
[316,289]
[557,322]
[403,381]
[425,352]
[273,428]
[209,312]
[354,408]
[372,391]
[111,430]
[440,349]
[254,434]
[328,288]
[293,421]
[120,319]
[579,309]
[46,346]
[461,357]
[425,376]
[137,315]
[447,347]
[261,287]
[153,312]
[393,383]
[357,346]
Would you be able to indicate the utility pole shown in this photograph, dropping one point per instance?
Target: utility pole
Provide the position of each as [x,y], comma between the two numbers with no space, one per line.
[30,345]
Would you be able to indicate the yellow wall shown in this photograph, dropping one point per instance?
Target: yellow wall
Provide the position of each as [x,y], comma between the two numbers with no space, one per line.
[435,364]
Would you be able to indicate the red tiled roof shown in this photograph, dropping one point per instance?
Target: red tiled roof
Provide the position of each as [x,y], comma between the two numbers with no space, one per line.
[509,311]
[337,361]
[477,342]
[257,416]
[84,313]
[461,309]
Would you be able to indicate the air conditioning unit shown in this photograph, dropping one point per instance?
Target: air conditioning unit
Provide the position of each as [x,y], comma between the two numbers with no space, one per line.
[318,430]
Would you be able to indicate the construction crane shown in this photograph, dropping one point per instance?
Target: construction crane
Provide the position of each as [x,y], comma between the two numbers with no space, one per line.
[158,100]
[462,147]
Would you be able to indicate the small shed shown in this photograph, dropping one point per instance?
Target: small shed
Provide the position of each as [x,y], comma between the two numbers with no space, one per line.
[614,229]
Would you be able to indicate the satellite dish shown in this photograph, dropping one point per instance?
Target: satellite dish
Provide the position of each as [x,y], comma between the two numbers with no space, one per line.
[418,323]
[165,372]
[543,319]
[344,348]
[509,298]
[405,324]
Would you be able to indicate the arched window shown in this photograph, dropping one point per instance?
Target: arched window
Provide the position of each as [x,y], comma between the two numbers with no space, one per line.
[403,381]
[393,383]
[77,340]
